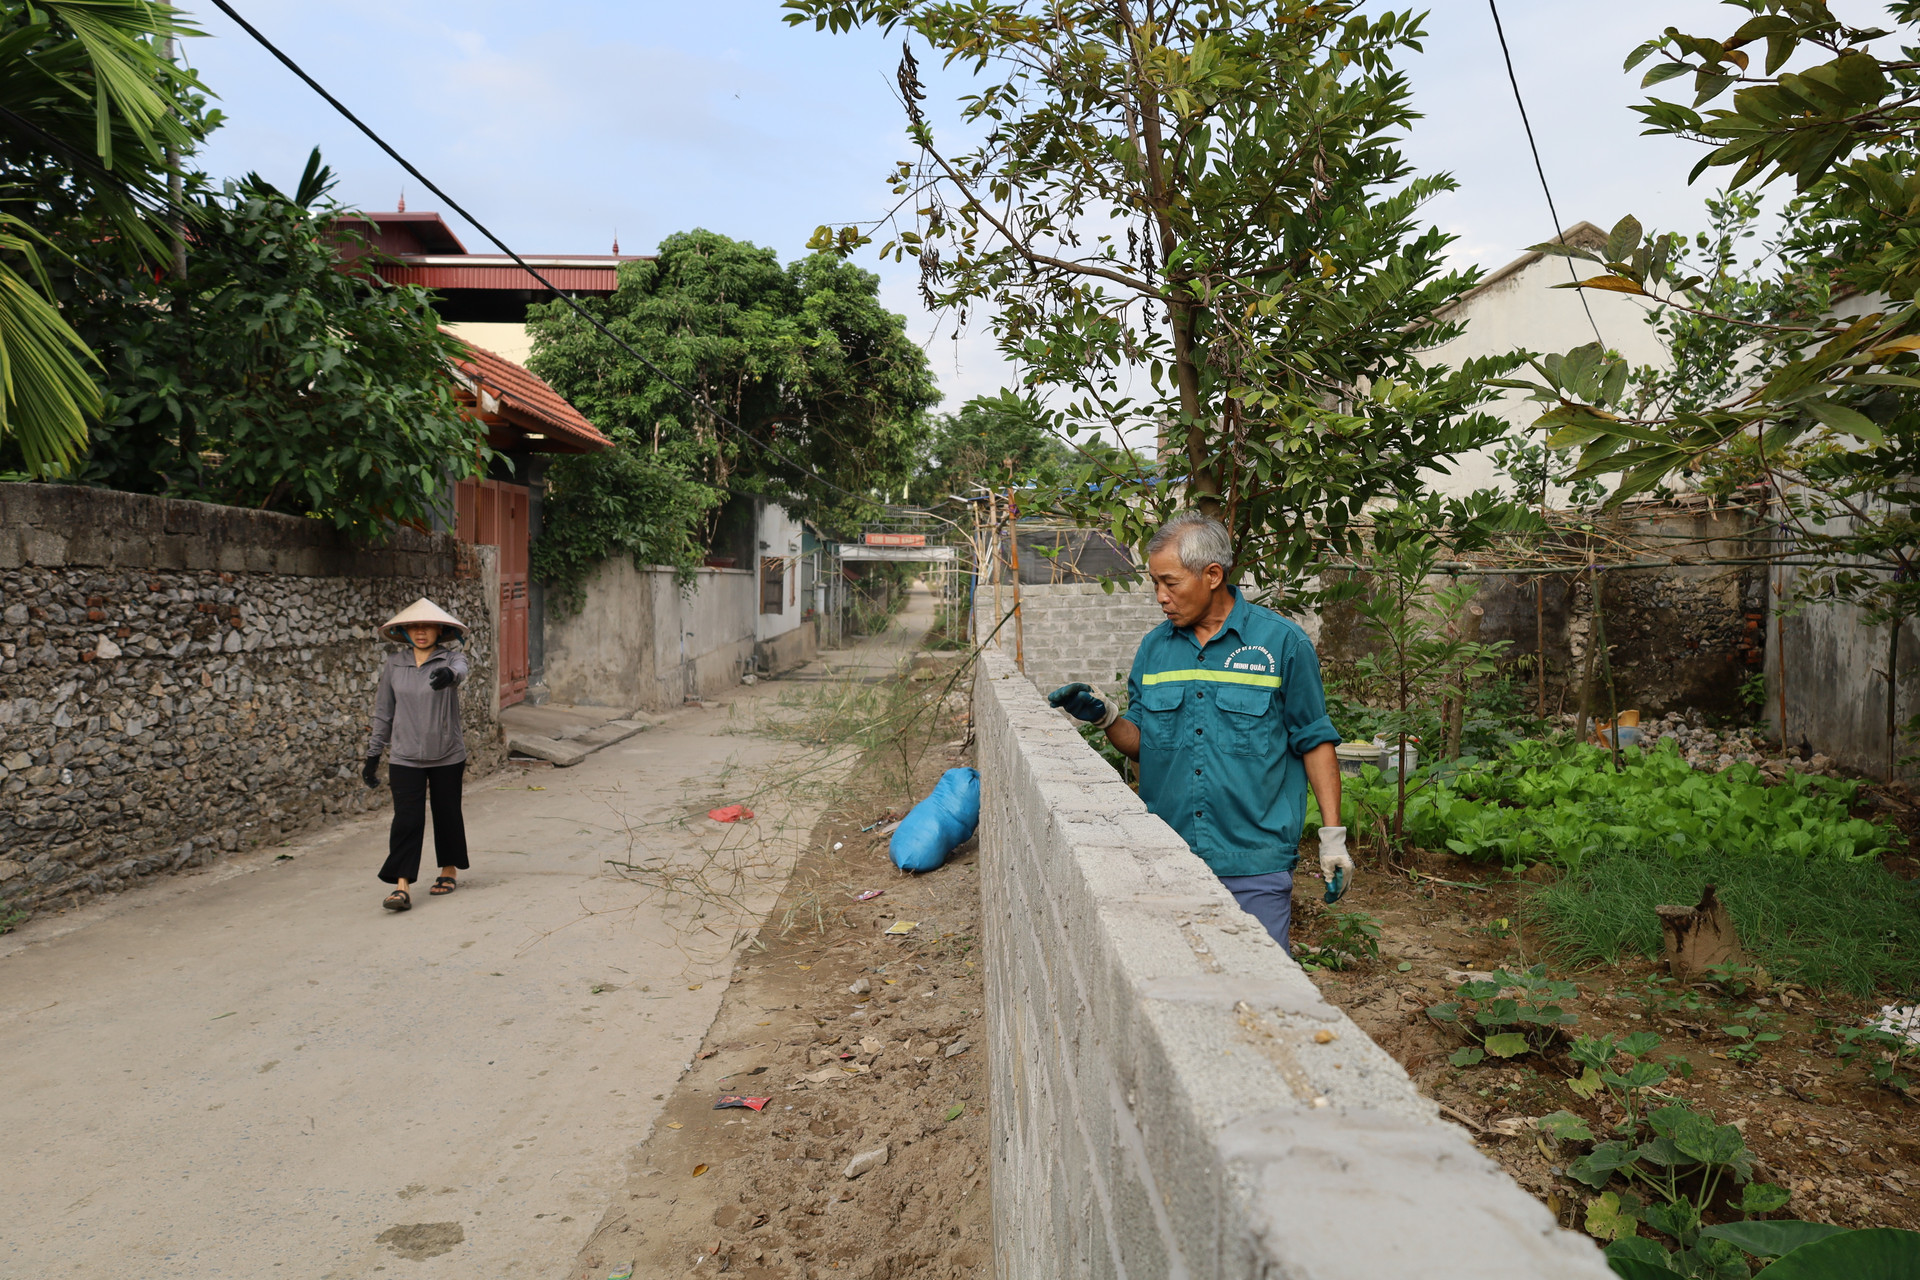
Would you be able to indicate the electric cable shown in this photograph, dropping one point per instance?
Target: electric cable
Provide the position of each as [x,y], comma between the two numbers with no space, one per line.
[1537,166]
[696,396]
[150,202]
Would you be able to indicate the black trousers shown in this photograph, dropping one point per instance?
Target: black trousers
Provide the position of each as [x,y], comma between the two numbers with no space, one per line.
[411,787]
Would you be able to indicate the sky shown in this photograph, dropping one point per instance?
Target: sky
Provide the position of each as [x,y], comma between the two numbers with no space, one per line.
[566,123]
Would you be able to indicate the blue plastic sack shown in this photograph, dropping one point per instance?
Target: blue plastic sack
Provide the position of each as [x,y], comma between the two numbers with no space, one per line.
[938,824]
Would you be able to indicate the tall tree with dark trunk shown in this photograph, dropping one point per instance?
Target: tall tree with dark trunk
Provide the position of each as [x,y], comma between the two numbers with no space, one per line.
[1192,221]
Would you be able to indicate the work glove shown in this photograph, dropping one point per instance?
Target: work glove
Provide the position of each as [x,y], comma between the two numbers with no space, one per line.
[441,678]
[1336,864]
[372,772]
[1080,702]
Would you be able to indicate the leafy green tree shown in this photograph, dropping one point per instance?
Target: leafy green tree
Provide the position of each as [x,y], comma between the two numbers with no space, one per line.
[828,392]
[1815,400]
[972,448]
[621,501]
[90,107]
[1193,219]
[269,377]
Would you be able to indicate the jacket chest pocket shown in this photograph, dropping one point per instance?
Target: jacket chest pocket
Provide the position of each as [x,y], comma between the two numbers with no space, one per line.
[1245,718]
[1160,713]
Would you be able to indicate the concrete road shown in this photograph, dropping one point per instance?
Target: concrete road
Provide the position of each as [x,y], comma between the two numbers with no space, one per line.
[255,1071]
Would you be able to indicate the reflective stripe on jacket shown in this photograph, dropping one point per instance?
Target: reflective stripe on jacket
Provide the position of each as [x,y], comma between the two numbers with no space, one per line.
[1222,729]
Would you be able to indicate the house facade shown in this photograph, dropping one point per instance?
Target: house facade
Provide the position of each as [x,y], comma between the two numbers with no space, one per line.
[1518,307]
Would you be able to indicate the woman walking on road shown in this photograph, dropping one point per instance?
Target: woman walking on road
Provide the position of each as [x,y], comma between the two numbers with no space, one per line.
[417,714]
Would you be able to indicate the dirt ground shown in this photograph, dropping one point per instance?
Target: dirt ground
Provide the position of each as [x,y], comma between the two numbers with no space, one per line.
[1847,1148]
[861,1041]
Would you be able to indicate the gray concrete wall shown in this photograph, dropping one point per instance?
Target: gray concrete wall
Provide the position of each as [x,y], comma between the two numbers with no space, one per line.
[179,680]
[1160,1105]
[1836,687]
[640,641]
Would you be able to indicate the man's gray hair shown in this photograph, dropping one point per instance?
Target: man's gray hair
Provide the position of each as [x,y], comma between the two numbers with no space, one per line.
[1198,539]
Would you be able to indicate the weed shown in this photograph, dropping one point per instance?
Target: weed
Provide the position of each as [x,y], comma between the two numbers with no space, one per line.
[1502,1025]
[1498,930]
[1353,939]
[1888,1055]
[1750,1033]
[1846,925]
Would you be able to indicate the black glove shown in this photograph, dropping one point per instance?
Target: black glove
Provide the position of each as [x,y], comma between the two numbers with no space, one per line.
[1077,700]
[372,772]
[441,678]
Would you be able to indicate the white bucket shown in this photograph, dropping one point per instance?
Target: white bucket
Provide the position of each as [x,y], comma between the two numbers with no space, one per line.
[1410,756]
[1353,755]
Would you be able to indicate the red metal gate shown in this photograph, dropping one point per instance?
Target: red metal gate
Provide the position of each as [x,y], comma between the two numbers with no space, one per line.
[494,514]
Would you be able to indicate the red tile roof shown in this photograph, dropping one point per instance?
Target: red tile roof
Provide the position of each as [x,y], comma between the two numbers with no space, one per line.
[529,402]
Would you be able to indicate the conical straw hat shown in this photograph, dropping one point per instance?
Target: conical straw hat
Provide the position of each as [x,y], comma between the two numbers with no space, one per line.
[421,610]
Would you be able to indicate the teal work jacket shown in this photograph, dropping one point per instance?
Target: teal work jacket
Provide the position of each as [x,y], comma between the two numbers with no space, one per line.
[1222,729]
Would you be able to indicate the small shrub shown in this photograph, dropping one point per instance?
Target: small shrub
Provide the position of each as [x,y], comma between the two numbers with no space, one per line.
[1502,1025]
[1354,938]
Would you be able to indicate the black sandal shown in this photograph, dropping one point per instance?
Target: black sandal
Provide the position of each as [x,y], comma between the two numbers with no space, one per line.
[398,901]
[442,885]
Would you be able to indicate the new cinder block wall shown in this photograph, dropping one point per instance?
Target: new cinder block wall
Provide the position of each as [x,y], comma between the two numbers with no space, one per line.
[1161,1106]
[180,680]
[1073,630]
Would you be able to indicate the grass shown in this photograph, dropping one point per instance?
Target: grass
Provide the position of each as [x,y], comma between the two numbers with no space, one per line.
[1834,924]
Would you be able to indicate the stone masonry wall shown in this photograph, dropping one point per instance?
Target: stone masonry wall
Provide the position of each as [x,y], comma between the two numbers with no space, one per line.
[1161,1103]
[179,680]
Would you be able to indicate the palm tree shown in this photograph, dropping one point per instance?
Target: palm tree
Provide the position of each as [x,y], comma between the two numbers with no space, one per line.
[94,114]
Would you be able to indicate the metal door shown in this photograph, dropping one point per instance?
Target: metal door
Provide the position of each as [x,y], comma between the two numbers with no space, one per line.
[492,513]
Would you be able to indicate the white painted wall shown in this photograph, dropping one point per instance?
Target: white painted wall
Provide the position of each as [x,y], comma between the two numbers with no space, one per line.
[1518,307]
[777,533]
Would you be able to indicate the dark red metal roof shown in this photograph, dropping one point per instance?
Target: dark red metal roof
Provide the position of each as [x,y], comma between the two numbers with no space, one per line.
[580,275]
[506,390]
[401,233]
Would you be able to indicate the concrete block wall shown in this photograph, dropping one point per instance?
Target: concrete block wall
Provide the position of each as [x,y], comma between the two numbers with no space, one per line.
[1160,1104]
[180,680]
[1074,630]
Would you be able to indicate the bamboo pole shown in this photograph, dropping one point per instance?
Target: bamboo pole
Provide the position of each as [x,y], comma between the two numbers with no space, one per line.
[1586,675]
[993,512]
[1013,550]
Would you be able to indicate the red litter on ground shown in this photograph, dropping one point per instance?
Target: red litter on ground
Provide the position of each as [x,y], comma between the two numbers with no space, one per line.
[731,813]
[738,1100]
[869,895]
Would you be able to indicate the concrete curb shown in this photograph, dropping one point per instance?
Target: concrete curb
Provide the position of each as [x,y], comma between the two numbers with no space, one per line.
[1170,1095]
[564,754]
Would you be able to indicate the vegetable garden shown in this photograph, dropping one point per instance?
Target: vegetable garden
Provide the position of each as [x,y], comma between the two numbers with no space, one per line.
[1506,948]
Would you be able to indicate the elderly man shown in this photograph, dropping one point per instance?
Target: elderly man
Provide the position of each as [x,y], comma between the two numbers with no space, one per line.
[1227,718]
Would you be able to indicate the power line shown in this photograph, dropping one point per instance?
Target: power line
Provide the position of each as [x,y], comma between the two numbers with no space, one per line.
[404,163]
[1537,166]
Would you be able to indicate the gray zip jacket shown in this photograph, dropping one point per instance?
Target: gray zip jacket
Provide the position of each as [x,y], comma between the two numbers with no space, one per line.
[421,723]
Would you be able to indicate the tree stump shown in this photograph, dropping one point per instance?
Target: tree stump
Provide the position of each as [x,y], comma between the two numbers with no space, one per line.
[1694,939]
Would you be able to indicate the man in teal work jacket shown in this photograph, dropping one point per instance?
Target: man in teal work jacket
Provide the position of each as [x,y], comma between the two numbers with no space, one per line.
[1227,718]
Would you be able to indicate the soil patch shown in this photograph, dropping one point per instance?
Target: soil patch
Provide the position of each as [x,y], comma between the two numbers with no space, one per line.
[1845,1146]
[861,1040]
